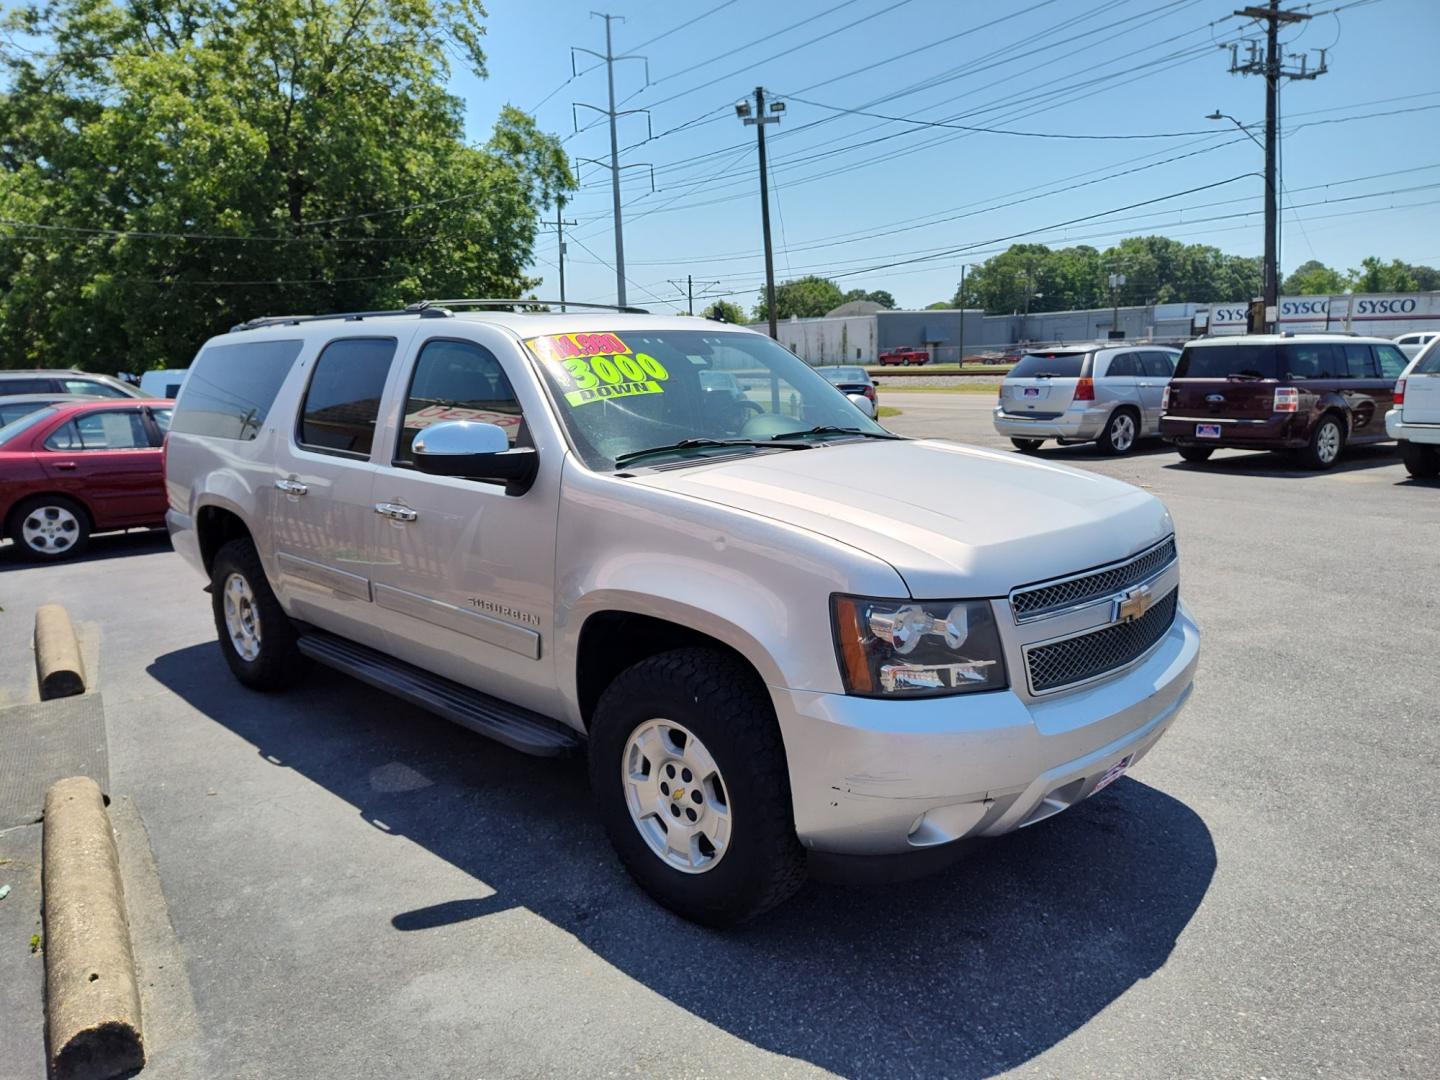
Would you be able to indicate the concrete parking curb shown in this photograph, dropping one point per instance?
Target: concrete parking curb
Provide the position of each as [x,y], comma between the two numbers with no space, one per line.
[58,663]
[92,1001]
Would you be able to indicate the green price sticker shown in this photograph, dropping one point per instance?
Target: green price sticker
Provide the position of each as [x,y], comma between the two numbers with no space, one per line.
[601,378]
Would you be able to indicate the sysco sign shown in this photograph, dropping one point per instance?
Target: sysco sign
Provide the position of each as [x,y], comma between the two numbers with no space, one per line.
[1397,305]
[1305,307]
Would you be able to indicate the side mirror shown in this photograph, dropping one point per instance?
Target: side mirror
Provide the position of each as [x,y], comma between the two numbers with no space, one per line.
[475,451]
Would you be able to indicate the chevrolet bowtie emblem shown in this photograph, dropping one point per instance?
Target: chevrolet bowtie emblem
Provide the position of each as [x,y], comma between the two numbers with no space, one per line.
[1132,604]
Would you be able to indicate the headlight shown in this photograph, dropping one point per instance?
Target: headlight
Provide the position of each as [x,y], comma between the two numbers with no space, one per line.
[908,648]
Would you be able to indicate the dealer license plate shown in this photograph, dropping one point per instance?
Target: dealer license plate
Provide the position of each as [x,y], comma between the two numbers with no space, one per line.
[1031,391]
[1207,431]
[1113,773]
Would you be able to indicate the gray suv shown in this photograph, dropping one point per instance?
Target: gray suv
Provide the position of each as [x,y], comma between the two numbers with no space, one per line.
[550,529]
[1106,394]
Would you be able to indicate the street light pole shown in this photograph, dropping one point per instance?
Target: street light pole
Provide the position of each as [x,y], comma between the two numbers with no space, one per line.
[759,120]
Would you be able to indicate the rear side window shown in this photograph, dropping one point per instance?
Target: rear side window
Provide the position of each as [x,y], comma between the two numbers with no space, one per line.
[1314,361]
[1053,365]
[1122,366]
[457,380]
[1158,365]
[231,388]
[342,401]
[1393,362]
[1358,361]
[1429,363]
[101,431]
[9,387]
[1221,361]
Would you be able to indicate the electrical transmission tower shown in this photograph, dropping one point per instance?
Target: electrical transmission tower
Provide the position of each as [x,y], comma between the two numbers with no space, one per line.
[689,290]
[1272,67]
[609,58]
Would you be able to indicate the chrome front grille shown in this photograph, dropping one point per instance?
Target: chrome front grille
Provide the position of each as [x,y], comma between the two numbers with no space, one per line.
[1032,603]
[1087,656]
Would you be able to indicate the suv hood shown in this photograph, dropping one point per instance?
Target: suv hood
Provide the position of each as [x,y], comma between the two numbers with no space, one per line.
[954,521]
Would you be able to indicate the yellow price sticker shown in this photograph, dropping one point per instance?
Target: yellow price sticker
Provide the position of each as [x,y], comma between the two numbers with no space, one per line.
[599,376]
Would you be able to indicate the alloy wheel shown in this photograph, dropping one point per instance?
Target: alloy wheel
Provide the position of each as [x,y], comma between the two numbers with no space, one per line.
[1327,444]
[676,797]
[242,617]
[1122,432]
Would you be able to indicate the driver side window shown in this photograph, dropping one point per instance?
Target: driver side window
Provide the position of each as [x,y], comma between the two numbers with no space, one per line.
[457,380]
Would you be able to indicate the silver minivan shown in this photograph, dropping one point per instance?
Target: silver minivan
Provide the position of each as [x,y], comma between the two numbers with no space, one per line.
[1106,394]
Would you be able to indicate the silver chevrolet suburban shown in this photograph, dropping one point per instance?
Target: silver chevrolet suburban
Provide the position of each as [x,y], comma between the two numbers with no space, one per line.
[781,633]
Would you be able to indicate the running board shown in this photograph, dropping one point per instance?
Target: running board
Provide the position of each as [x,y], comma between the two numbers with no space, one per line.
[520,729]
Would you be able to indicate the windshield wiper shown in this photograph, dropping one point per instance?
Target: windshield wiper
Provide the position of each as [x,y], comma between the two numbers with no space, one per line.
[836,429]
[1047,375]
[690,444]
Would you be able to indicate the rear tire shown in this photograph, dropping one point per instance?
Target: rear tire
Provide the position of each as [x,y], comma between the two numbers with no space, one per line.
[1028,446]
[740,788]
[1196,454]
[1327,442]
[49,528]
[255,634]
[1422,460]
[1121,431]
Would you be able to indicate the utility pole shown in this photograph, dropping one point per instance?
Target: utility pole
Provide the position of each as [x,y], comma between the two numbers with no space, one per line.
[1116,282]
[962,315]
[560,224]
[609,59]
[1271,67]
[759,119]
[689,290]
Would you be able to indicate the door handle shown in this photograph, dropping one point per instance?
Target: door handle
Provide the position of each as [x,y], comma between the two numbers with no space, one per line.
[291,487]
[67,466]
[396,512]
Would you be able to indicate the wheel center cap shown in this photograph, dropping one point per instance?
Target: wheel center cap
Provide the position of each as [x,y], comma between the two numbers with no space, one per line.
[676,794]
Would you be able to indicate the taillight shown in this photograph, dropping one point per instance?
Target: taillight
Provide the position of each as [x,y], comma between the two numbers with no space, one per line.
[1165,400]
[869,392]
[1400,392]
[1287,399]
[1085,389]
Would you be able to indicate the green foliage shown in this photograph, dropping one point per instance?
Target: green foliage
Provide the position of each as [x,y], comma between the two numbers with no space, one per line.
[724,311]
[1373,275]
[876,296]
[234,158]
[807,297]
[940,305]
[1314,278]
[1156,268]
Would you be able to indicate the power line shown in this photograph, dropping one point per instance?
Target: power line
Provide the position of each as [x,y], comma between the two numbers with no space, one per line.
[687,23]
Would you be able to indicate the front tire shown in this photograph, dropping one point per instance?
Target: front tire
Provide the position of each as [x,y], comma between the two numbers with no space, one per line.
[689,774]
[1422,460]
[1326,443]
[1196,454]
[49,528]
[256,635]
[1028,446]
[1121,431]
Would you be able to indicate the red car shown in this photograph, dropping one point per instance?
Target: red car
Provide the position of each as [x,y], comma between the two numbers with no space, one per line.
[67,471]
[904,356]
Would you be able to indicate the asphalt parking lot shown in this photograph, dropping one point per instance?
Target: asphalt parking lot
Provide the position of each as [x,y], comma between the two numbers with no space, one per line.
[357,889]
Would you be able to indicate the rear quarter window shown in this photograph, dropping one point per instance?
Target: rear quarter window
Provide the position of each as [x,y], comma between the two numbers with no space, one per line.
[231,388]
[1055,365]
[1429,361]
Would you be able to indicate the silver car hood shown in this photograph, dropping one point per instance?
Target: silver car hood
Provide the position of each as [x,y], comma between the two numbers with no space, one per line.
[954,521]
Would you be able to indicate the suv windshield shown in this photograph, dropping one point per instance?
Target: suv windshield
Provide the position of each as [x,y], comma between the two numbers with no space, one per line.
[1060,365]
[1222,361]
[623,391]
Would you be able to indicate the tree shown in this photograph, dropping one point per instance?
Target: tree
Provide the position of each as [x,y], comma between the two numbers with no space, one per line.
[1373,275]
[203,162]
[1313,278]
[877,296]
[940,305]
[806,297]
[724,311]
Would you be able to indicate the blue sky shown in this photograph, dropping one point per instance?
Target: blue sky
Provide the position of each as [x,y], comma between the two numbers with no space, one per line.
[1092,67]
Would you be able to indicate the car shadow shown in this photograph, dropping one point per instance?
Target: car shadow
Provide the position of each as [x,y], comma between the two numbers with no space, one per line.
[1091,451]
[966,973]
[102,546]
[1275,463]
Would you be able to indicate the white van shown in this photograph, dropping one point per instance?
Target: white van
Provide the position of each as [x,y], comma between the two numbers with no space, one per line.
[163,384]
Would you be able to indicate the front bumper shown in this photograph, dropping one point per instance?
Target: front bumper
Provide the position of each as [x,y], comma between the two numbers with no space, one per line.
[1082,423]
[873,777]
[1416,433]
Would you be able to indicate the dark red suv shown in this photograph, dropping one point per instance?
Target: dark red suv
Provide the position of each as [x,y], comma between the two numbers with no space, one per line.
[1308,393]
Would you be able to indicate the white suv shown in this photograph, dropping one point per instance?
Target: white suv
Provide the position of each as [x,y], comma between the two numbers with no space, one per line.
[546,528]
[1415,418]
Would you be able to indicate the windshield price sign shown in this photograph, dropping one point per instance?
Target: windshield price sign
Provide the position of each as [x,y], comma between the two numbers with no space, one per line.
[598,367]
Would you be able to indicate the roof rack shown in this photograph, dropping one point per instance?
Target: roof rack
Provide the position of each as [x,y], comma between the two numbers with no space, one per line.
[530,302]
[427,309]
